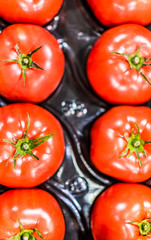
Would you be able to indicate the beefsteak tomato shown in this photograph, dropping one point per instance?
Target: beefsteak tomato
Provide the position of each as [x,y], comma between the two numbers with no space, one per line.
[115,12]
[118,65]
[37,12]
[121,143]
[28,213]
[31,145]
[122,212]
[32,63]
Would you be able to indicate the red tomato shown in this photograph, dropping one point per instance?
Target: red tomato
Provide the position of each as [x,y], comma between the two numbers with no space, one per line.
[24,80]
[34,209]
[120,143]
[28,133]
[118,66]
[38,12]
[116,210]
[114,12]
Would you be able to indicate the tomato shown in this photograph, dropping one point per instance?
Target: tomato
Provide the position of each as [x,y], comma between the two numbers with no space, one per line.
[114,12]
[32,145]
[118,65]
[119,209]
[38,12]
[33,209]
[30,57]
[120,143]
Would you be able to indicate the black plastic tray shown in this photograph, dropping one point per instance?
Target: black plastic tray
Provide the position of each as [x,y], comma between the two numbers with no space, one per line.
[77,183]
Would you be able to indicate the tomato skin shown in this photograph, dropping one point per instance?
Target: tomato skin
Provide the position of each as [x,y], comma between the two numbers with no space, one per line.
[110,74]
[115,12]
[37,12]
[29,172]
[118,205]
[39,84]
[108,143]
[34,208]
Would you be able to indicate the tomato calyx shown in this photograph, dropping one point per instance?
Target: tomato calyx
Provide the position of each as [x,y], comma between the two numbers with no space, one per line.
[144,227]
[25,145]
[25,234]
[25,61]
[136,61]
[135,144]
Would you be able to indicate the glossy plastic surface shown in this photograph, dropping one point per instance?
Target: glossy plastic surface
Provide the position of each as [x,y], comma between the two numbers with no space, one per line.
[77,183]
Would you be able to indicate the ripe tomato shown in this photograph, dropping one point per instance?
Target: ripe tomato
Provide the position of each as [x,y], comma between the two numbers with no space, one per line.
[120,143]
[34,209]
[38,12]
[30,57]
[32,145]
[119,209]
[118,66]
[111,13]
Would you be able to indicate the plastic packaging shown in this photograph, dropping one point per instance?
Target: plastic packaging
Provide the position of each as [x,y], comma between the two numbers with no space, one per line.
[77,183]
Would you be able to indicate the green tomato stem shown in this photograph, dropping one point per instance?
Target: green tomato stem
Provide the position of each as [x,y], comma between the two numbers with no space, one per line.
[144,227]
[25,61]
[136,61]
[25,234]
[135,144]
[25,145]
